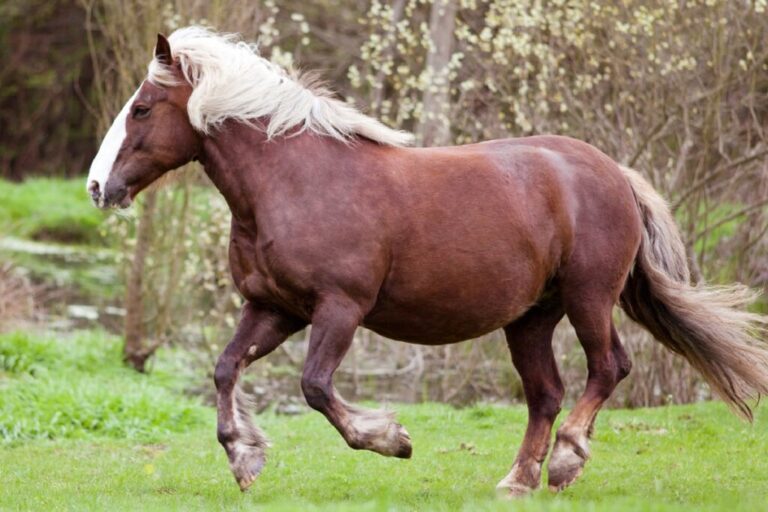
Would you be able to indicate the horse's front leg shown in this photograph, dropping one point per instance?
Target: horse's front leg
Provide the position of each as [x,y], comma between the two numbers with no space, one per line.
[333,327]
[260,331]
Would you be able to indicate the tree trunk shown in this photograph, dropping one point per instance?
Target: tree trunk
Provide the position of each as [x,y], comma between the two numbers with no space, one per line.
[435,127]
[134,352]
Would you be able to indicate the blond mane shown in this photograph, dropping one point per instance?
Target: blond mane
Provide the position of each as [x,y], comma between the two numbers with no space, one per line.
[230,80]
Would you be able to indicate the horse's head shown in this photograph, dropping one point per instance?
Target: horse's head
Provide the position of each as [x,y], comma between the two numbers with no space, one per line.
[151,135]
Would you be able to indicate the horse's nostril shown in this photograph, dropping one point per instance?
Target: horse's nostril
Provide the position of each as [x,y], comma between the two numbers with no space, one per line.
[93,188]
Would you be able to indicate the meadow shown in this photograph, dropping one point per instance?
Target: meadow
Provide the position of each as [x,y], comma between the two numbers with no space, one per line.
[675,90]
[79,431]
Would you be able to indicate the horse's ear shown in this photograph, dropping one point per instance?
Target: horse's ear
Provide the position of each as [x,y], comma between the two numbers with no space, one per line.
[163,50]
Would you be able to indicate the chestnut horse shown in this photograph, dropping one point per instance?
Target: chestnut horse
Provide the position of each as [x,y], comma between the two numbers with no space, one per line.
[337,224]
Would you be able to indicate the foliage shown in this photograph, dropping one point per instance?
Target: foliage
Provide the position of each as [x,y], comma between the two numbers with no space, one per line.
[668,459]
[53,387]
[45,85]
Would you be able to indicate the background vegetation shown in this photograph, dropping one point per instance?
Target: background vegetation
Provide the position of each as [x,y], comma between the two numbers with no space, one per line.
[677,89]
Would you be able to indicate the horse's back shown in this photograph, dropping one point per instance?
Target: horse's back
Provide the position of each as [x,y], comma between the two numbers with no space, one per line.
[570,178]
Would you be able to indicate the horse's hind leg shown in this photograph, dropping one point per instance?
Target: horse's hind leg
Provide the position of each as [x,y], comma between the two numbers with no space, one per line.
[333,327]
[530,342]
[607,364]
[259,332]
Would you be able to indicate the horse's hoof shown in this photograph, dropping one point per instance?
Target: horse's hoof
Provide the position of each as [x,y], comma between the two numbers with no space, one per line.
[512,490]
[403,443]
[566,463]
[521,481]
[383,436]
[247,466]
[247,481]
[393,442]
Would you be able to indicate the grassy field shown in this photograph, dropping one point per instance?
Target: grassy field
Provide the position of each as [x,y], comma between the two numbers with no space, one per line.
[680,458]
[48,209]
[92,435]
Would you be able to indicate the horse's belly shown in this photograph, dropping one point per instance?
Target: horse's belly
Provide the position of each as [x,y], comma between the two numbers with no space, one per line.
[438,309]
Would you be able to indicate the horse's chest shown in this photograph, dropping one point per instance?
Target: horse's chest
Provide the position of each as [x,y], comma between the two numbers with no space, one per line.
[262,274]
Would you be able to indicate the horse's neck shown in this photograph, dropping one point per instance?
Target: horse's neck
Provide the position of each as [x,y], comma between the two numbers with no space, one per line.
[244,166]
[230,158]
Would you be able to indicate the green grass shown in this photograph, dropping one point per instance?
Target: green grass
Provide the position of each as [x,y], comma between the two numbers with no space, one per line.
[48,209]
[677,458]
[76,387]
[151,448]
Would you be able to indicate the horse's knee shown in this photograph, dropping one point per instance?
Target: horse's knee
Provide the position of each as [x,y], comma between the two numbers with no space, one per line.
[607,374]
[554,401]
[315,392]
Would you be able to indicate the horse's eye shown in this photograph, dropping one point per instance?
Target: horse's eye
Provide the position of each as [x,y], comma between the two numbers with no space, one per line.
[140,111]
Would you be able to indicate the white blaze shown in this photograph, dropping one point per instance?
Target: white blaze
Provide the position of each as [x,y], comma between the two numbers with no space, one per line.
[102,164]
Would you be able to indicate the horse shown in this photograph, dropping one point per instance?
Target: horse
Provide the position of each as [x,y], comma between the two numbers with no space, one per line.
[338,223]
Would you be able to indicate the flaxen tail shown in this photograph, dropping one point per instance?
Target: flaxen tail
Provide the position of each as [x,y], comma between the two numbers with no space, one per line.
[708,325]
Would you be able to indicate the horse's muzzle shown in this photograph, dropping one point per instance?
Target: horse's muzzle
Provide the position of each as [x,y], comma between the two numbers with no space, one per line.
[113,195]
